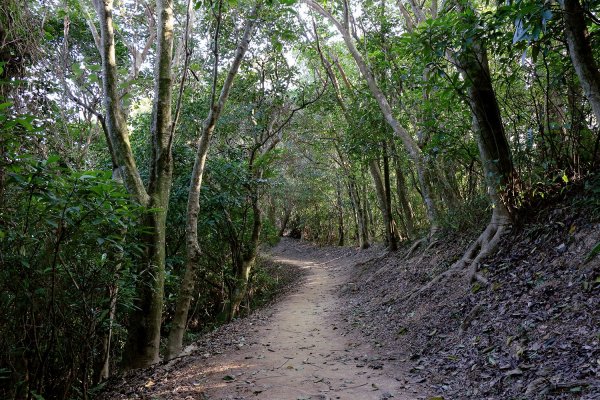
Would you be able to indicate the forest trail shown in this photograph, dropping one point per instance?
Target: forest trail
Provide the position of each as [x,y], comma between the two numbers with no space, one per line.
[302,353]
[302,350]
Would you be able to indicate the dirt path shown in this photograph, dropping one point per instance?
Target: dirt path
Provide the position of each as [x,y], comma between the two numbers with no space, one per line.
[301,351]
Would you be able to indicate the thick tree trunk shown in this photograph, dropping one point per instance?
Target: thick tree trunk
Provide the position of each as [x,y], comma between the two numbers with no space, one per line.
[390,235]
[581,53]
[143,341]
[186,289]
[142,347]
[494,150]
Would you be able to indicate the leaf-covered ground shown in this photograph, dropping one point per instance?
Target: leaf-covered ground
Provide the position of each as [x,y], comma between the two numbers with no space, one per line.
[533,333]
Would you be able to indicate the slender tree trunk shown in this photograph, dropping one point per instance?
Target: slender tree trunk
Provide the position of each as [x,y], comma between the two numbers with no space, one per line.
[358,206]
[390,236]
[409,143]
[340,209]
[581,52]
[116,125]
[286,218]
[360,215]
[369,221]
[388,195]
[104,372]
[401,190]
[184,298]
[246,262]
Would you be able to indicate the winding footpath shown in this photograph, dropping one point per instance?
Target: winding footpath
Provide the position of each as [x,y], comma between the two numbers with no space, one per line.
[304,350]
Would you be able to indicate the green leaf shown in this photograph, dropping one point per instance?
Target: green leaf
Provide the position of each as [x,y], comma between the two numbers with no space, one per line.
[6,105]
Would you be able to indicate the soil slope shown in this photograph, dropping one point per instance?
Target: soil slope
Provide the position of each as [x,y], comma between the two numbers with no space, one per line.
[533,333]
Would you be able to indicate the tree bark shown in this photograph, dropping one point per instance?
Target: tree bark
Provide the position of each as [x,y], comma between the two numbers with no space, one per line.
[494,152]
[115,121]
[581,52]
[409,143]
[390,236]
[184,298]
[142,347]
[143,341]
[494,149]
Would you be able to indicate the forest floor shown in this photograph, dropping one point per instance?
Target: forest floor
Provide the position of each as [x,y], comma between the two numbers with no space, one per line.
[299,348]
[532,333]
[346,330]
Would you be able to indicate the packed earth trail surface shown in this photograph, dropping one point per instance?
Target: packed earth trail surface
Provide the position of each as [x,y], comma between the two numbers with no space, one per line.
[299,348]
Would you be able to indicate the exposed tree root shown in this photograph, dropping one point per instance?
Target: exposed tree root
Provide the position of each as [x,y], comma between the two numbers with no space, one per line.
[415,246]
[485,245]
[429,239]
[475,311]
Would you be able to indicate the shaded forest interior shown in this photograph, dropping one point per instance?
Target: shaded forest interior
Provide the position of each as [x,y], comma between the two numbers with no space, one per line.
[151,149]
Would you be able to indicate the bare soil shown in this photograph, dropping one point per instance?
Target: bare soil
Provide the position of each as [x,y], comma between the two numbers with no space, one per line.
[300,348]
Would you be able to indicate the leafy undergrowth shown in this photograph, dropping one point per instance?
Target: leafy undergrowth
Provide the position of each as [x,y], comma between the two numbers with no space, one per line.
[533,333]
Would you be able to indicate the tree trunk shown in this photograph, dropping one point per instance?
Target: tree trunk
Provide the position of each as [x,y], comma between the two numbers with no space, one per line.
[246,262]
[401,190]
[390,236]
[286,218]
[409,143]
[359,210]
[340,209]
[143,341]
[581,52]
[142,347]
[494,152]
[493,146]
[388,195]
[361,217]
[116,126]
[186,289]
